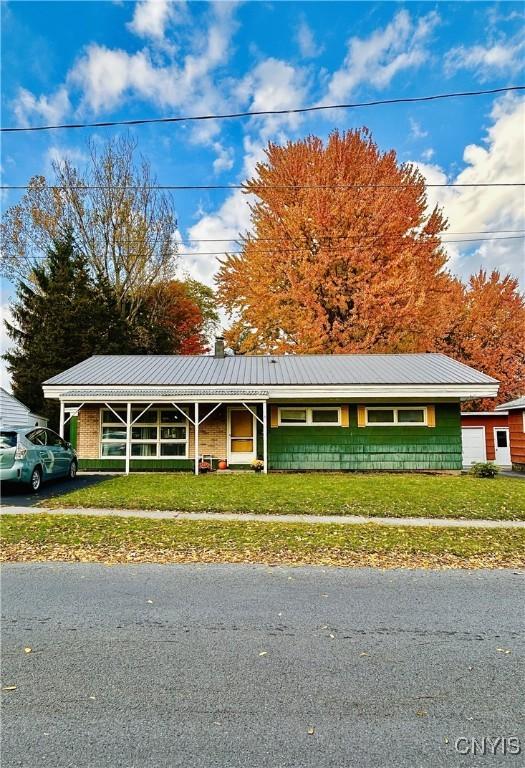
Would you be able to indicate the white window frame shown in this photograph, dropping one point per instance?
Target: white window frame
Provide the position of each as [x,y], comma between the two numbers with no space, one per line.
[158,442]
[396,410]
[309,422]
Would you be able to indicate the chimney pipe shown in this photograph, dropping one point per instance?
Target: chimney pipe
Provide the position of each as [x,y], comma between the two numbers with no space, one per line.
[219,346]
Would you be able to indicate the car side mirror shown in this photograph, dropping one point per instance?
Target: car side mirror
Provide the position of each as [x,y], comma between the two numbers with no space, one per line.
[68,446]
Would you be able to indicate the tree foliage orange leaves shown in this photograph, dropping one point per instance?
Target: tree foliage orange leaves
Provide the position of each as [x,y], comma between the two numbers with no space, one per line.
[334,264]
[489,334]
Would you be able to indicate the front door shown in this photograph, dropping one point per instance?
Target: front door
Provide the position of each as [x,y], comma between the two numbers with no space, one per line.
[502,446]
[241,436]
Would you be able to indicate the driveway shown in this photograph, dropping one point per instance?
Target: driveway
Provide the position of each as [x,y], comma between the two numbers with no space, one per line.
[17,495]
[234,666]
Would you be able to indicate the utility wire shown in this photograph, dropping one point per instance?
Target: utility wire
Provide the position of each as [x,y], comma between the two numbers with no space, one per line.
[185,187]
[259,113]
[276,249]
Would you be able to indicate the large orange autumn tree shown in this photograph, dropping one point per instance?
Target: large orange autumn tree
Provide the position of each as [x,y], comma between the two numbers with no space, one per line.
[344,255]
[489,334]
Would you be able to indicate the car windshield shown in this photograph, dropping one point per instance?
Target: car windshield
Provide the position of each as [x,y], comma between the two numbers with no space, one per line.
[7,440]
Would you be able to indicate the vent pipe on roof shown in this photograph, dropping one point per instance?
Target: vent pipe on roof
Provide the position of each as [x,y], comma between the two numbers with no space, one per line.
[219,346]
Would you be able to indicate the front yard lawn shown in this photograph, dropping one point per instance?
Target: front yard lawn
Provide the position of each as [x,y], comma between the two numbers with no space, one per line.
[112,540]
[322,494]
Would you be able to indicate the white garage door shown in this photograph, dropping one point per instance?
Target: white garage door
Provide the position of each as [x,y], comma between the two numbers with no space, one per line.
[473,439]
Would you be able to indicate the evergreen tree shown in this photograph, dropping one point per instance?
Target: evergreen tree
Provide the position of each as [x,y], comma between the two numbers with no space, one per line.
[59,319]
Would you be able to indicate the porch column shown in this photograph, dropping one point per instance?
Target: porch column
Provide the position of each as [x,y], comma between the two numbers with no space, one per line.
[196,441]
[61,427]
[265,436]
[128,436]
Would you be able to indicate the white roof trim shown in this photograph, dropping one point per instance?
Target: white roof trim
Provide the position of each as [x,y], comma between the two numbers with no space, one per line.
[279,392]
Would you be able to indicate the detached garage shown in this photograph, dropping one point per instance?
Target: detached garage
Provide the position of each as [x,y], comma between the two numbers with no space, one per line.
[485,437]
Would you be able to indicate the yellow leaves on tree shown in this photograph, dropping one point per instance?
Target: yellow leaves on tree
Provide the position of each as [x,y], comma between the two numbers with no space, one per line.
[344,256]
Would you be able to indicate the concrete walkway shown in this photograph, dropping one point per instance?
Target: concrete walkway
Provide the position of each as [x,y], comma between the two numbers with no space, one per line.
[157,514]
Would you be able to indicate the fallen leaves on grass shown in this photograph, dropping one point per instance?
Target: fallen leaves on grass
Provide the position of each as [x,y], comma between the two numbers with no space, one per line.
[23,551]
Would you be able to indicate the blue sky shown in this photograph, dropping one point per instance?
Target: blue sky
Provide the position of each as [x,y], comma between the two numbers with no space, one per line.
[69,61]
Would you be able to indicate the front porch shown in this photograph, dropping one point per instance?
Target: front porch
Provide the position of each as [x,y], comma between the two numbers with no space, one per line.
[166,431]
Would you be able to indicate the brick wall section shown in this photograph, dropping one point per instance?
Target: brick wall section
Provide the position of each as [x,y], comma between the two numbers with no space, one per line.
[88,432]
[212,434]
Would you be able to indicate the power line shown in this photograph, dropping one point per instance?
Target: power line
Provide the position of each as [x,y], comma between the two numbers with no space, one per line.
[343,237]
[226,251]
[259,113]
[185,187]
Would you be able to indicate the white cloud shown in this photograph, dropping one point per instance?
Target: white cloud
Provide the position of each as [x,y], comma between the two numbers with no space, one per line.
[306,41]
[428,154]
[416,131]
[151,17]
[50,109]
[501,157]
[225,157]
[504,56]
[231,219]
[376,59]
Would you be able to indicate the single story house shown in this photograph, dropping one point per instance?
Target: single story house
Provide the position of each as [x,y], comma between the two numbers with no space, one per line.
[516,417]
[295,412]
[13,413]
[485,437]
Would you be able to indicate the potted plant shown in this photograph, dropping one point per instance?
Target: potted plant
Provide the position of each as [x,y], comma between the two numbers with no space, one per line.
[258,465]
[223,464]
[204,466]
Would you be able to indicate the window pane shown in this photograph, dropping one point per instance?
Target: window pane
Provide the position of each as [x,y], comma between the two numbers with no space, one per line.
[173,449]
[173,433]
[38,438]
[242,446]
[8,439]
[380,417]
[172,416]
[53,438]
[501,439]
[150,417]
[413,416]
[143,433]
[329,417]
[108,417]
[293,415]
[144,449]
[114,433]
[114,449]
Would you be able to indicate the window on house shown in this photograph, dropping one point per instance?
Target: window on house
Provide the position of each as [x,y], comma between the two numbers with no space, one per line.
[388,417]
[320,416]
[156,433]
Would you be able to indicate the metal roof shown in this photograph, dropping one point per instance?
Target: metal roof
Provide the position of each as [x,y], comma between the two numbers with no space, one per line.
[274,370]
[518,403]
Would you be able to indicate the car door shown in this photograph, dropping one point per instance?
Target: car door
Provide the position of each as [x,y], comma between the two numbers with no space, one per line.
[60,452]
[44,455]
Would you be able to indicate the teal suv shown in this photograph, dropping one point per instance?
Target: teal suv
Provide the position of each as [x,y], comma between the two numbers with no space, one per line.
[32,455]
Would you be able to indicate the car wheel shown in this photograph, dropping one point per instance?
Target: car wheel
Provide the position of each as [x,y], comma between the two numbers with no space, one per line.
[36,479]
[73,468]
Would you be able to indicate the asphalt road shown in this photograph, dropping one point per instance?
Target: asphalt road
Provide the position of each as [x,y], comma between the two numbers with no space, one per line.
[19,495]
[232,666]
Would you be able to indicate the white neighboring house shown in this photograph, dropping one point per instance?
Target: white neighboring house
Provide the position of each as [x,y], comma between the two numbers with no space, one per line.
[13,413]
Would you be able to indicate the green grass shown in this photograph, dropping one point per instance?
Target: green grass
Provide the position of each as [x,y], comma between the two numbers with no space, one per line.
[75,537]
[323,494]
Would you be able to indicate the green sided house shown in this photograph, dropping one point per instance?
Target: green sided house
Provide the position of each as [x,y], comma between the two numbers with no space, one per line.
[295,412]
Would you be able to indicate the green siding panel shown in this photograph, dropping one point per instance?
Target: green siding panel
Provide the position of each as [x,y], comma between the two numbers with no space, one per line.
[140,465]
[367,448]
